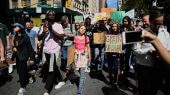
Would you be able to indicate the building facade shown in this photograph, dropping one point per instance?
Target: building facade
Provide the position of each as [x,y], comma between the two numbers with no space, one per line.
[94,6]
[102,4]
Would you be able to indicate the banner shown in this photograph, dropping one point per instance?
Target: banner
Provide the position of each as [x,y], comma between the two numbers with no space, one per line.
[131,13]
[99,16]
[99,38]
[108,11]
[117,16]
[113,43]
[78,19]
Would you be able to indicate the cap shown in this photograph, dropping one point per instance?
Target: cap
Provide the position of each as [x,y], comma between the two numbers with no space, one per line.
[18,25]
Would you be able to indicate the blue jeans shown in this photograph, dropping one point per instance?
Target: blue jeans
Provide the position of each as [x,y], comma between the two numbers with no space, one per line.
[99,56]
[64,51]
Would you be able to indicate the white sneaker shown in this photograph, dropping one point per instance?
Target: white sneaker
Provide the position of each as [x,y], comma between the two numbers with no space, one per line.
[21,91]
[87,70]
[46,93]
[10,68]
[59,85]
[31,80]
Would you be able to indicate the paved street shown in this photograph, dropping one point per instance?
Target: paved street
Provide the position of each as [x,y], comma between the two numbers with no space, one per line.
[93,86]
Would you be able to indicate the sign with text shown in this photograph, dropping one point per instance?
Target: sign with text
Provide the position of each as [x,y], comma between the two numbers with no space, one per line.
[113,43]
[99,38]
[78,19]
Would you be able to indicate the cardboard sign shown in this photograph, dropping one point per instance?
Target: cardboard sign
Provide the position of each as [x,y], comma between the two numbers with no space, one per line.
[99,38]
[70,56]
[113,43]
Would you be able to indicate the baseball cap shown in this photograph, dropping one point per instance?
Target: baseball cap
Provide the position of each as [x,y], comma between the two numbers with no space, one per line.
[18,25]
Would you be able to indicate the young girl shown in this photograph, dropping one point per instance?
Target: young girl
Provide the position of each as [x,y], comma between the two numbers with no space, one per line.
[82,56]
[24,51]
[113,59]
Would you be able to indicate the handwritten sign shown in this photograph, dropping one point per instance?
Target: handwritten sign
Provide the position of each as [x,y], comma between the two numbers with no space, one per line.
[113,43]
[99,38]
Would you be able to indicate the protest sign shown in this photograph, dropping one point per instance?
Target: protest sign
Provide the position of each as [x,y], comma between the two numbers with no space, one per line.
[117,16]
[108,11]
[99,16]
[99,38]
[113,43]
[78,19]
[131,13]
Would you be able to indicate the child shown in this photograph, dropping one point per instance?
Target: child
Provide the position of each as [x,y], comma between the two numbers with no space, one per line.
[24,51]
[82,55]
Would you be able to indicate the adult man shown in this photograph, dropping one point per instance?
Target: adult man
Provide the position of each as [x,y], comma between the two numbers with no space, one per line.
[149,71]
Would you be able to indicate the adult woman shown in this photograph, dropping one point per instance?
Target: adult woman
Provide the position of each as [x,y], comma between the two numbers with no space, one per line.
[77,27]
[52,35]
[127,26]
[113,59]
[22,46]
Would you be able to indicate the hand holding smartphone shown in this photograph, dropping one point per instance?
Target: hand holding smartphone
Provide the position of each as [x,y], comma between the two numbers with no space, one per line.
[131,37]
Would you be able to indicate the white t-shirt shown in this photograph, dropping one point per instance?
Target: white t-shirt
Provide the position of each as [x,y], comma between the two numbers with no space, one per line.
[141,49]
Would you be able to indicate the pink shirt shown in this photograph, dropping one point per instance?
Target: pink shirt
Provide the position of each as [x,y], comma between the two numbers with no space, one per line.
[80,44]
[52,44]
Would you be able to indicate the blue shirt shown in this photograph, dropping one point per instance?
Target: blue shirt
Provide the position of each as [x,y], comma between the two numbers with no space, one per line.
[32,35]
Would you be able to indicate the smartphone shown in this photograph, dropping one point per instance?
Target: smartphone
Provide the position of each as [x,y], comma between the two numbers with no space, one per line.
[131,37]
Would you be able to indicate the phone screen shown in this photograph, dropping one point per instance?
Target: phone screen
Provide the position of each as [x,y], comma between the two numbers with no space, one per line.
[133,37]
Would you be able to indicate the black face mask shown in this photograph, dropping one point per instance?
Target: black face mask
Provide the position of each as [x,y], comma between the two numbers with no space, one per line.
[28,29]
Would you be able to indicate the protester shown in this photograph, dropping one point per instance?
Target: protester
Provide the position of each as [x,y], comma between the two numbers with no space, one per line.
[127,26]
[76,28]
[89,33]
[33,39]
[52,35]
[82,56]
[99,55]
[68,40]
[22,46]
[113,59]
[106,23]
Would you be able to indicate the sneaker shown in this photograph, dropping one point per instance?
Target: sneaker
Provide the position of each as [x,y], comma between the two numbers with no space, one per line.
[46,93]
[59,85]
[31,80]
[10,68]
[87,70]
[21,91]
[79,90]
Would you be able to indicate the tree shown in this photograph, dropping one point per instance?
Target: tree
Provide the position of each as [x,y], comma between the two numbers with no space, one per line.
[141,6]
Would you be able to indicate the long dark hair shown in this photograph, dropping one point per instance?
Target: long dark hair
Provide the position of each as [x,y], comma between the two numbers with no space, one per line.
[111,31]
[129,26]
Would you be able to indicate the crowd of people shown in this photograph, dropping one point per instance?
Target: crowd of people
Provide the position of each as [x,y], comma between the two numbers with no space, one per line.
[42,47]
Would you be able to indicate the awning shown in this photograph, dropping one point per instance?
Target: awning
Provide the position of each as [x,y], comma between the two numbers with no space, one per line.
[43,10]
